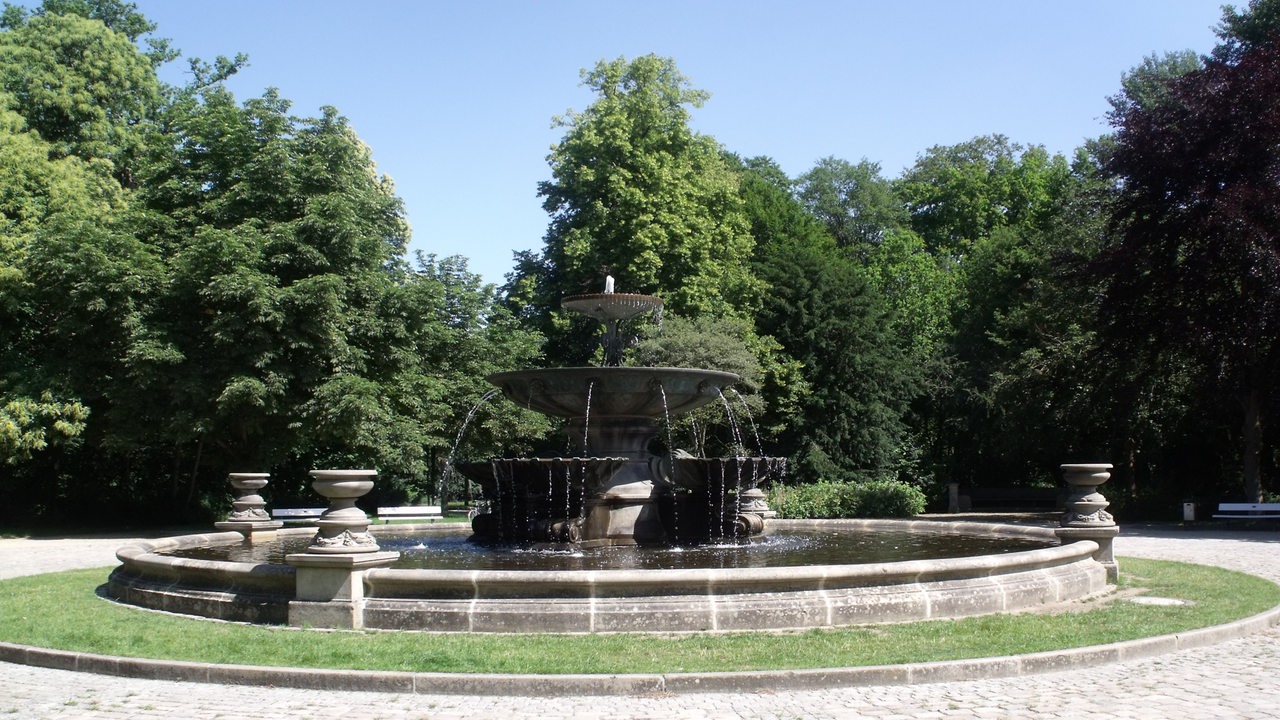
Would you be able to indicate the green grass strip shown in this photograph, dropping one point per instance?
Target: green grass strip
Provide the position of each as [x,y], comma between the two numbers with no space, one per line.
[61,610]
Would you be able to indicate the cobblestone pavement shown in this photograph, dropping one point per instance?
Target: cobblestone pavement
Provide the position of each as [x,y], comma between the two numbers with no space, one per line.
[1232,679]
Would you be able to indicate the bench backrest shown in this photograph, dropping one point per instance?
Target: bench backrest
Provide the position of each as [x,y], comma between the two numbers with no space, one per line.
[297,512]
[410,510]
[1248,507]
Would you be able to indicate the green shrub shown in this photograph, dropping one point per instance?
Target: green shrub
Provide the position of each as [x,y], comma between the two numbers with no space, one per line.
[825,500]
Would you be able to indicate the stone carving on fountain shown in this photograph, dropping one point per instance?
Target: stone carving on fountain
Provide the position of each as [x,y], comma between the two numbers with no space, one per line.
[615,490]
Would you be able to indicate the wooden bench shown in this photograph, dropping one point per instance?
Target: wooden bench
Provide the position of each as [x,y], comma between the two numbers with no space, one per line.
[1248,511]
[410,512]
[298,515]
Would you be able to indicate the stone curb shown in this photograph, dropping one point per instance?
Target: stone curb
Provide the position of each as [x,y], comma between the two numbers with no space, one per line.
[641,684]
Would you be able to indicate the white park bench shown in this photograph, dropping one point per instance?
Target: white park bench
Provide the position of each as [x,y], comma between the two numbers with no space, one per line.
[1248,511]
[410,512]
[298,515]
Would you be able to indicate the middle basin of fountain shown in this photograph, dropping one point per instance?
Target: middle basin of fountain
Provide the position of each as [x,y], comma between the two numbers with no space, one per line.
[637,600]
[612,412]
[597,393]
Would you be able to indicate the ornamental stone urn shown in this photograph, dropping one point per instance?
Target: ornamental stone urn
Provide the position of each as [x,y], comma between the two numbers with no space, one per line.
[344,528]
[1086,517]
[248,514]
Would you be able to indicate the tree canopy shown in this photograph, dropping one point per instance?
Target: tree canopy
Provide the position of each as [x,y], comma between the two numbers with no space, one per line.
[1197,265]
[637,194]
[193,283]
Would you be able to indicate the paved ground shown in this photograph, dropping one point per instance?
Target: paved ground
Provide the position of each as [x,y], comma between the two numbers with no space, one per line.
[1233,679]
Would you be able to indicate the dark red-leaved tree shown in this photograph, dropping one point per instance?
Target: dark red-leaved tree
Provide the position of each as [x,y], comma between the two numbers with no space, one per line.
[1196,267]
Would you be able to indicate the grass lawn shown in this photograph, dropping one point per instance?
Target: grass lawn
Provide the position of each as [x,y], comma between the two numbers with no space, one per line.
[61,610]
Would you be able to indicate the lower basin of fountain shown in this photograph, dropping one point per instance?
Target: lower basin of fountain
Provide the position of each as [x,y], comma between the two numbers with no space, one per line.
[634,599]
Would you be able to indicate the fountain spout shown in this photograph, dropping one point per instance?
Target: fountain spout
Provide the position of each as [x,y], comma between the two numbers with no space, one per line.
[608,284]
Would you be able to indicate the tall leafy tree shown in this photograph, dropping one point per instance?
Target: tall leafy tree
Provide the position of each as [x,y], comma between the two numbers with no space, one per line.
[856,204]
[1147,85]
[636,193]
[848,421]
[961,193]
[83,86]
[41,406]
[190,285]
[850,425]
[1197,266]
[1244,30]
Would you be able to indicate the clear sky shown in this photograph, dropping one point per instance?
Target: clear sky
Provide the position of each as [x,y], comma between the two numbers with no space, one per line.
[456,98]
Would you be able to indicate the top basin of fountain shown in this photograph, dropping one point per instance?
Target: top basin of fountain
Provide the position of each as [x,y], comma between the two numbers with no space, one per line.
[611,306]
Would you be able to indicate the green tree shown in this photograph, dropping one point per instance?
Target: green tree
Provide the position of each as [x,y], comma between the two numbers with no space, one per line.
[1244,30]
[1196,264]
[45,324]
[1147,85]
[961,193]
[242,302]
[846,419]
[84,87]
[637,194]
[856,204]
[826,316]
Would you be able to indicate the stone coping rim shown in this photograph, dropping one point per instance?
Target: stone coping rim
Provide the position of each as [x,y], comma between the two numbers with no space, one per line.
[145,554]
[569,685]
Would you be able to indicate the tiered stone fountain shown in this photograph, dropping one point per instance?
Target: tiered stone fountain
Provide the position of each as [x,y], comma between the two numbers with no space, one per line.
[616,490]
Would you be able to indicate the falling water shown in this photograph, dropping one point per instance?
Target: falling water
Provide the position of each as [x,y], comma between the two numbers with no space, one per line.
[582,496]
[586,420]
[544,510]
[501,471]
[457,441]
[671,461]
[739,446]
[724,491]
[574,474]
[737,498]
[755,432]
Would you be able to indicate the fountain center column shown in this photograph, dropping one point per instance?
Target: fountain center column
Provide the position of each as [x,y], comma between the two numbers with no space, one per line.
[623,509]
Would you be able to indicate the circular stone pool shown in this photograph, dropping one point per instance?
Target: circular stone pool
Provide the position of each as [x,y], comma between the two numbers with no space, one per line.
[445,547]
[805,574]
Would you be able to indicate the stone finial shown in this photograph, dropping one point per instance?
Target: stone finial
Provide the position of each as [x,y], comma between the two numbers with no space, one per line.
[248,510]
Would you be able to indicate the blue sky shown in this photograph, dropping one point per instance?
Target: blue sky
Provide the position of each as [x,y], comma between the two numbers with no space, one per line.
[456,99]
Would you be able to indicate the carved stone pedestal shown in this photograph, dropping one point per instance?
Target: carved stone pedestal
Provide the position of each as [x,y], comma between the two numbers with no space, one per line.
[1086,517]
[329,584]
[344,528]
[248,514]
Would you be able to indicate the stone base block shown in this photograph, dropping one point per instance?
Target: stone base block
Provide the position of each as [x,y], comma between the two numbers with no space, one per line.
[336,614]
[254,531]
[329,589]
[1105,536]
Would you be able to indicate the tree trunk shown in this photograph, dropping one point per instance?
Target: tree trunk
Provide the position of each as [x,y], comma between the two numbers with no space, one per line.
[1131,460]
[1252,447]
[195,472]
